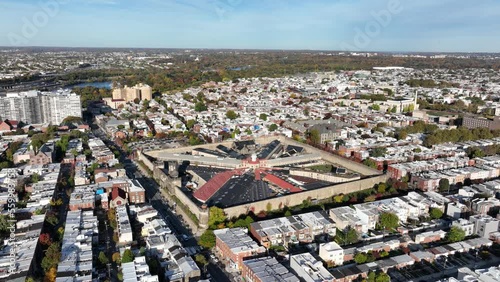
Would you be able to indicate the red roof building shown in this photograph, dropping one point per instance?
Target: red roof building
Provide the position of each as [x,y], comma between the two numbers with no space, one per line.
[8,125]
[118,197]
[281,183]
[213,185]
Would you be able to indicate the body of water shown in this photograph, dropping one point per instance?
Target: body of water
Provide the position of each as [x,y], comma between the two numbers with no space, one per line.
[106,84]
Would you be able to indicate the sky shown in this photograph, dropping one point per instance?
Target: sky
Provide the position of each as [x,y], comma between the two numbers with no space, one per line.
[336,25]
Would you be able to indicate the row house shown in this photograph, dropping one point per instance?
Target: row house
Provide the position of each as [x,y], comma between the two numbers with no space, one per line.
[309,268]
[100,151]
[83,198]
[266,269]
[293,229]
[429,181]
[483,206]
[401,170]
[234,245]
[368,213]
[346,217]
[430,236]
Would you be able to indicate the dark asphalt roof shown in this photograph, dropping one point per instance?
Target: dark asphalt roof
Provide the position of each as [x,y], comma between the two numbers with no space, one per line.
[241,190]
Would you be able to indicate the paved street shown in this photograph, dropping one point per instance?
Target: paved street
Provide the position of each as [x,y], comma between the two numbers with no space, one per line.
[216,273]
[164,208]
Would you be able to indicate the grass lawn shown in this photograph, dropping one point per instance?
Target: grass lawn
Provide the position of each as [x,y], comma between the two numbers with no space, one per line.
[322,168]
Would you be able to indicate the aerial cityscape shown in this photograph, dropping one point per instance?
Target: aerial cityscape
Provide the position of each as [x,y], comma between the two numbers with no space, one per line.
[249,141]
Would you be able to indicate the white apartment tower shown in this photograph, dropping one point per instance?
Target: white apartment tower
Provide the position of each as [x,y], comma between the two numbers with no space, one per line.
[35,107]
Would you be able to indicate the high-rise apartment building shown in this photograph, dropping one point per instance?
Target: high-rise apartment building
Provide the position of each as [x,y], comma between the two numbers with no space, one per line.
[129,94]
[36,107]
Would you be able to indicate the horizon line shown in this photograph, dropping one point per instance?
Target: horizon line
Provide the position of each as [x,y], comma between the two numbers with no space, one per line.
[257,49]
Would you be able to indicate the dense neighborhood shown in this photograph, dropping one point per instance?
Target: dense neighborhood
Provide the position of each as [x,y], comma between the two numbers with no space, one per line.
[381,174]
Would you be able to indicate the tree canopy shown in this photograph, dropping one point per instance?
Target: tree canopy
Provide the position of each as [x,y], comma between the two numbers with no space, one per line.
[360,258]
[388,221]
[273,127]
[231,115]
[444,185]
[200,106]
[346,237]
[435,213]
[315,136]
[128,256]
[51,258]
[207,239]
[456,234]
[216,216]
[103,259]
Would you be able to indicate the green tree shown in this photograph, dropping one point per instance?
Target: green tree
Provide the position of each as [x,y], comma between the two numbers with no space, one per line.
[190,123]
[375,107]
[360,258]
[200,96]
[456,234]
[207,239]
[346,237]
[263,117]
[60,233]
[200,106]
[435,213]
[402,135]
[193,140]
[370,257]
[388,221]
[231,115]
[201,260]
[444,185]
[103,259]
[51,218]
[51,257]
[370,163]
[338,198]
[269,207]
[371,276]
[273,127]
[475,152]
[128,256]
[381,187]
[35,177]
[5,164]
[378,152]
[383,277]
[248,220]
[216,216]
[315,136]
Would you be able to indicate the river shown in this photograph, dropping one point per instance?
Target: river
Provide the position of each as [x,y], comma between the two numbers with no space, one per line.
[105,84]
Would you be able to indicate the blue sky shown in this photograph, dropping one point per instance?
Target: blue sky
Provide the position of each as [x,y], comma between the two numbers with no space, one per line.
[423,25]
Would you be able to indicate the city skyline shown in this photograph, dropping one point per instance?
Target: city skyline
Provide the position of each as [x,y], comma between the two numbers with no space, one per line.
[389,25]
